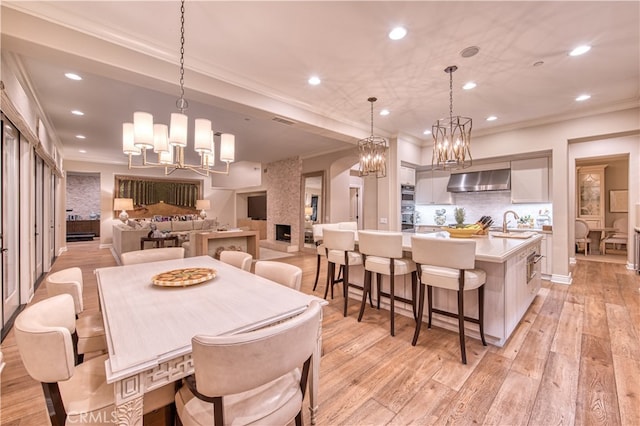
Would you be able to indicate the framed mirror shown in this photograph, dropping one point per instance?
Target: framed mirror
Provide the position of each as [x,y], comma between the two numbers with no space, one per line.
[313,200]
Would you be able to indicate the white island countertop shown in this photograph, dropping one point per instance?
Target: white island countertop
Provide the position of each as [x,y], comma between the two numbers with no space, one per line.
[488,247]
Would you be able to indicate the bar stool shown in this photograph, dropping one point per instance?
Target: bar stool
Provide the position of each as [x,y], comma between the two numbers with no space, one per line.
[321,250]
[340,246]
[382,254]
[448,263]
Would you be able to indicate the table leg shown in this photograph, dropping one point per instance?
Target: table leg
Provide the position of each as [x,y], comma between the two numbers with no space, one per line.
[129,399]
[314,379]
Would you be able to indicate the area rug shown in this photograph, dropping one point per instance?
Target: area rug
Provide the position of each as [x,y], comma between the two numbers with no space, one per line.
[268,254]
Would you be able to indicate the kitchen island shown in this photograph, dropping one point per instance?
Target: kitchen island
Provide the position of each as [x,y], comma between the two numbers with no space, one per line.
[513,281]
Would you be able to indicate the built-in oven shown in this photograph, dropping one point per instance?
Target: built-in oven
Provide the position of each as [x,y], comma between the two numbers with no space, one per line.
[407,194]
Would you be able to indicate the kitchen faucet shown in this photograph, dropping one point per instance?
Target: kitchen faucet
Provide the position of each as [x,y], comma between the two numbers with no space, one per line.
[504,219]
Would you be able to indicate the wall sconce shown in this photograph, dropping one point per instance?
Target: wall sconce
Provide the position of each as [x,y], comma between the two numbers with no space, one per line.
[123,204]
[203,205]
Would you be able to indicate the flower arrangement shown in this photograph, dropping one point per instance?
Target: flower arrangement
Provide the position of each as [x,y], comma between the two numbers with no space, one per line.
[459,214]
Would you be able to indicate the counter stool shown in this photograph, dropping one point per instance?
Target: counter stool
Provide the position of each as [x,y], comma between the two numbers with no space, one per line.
[448,263]
[321,250]
[382,254]
[89,328]
[340,245]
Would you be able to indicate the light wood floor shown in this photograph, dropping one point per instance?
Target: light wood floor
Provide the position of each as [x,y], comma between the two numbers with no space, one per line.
[574,359]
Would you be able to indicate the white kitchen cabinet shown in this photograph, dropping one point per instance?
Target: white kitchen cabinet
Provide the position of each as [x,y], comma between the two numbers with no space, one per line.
[530,180]
[407,176]
[431,188]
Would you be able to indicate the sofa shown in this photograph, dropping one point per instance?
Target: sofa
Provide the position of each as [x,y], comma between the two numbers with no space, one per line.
[126,236]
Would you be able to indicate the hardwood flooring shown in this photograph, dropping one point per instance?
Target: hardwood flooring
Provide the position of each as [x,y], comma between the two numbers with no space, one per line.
[574,359]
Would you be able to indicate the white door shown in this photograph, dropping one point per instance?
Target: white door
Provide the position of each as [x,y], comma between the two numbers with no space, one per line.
[354,206]
[39,216]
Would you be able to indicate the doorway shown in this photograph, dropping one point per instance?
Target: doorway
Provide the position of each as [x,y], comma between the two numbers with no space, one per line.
[355,206]
[313,196]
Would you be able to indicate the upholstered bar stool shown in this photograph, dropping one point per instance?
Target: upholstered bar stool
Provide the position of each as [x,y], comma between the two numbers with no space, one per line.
[448,263]
[321,250]
[340,245]
[382,255]
[89,327]
[282,273]
[239,259]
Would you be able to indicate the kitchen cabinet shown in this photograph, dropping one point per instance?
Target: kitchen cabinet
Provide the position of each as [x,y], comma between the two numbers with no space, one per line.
[407,176]
[431,188]
[590,187]
[530,180]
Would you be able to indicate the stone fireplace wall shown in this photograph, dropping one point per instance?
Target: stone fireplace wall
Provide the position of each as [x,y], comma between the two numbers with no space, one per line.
[282,180]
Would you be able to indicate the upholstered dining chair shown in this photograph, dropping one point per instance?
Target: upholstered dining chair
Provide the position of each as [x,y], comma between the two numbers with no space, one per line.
[382,255]
[282,273]
[448,263]
[340,246]
[259,377]
[151,255]
[239,259]
[618,237]
[75,394]
[89,327]
[582,235]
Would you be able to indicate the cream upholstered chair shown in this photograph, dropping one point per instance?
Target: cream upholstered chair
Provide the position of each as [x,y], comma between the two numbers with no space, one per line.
[382,255]
[582,235]
[257,377]
[239,259]
[618,237]
[340,245]
[282,273]
[321,250]
[151,255]
[89,327]
[75,394]
[448,263]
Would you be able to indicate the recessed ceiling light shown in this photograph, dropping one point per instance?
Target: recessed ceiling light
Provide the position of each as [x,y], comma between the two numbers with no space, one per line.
[492,118]
[72,76]
[470,51]
[397,33]
[469,85]
[82,151]
[81,137]
[77,112]
[426,132]
[580,50]
[384,112]
[314,80]
[583,97]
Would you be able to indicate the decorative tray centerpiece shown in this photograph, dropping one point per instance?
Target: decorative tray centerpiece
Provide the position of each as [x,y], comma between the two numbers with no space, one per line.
[464,232]
[183,277]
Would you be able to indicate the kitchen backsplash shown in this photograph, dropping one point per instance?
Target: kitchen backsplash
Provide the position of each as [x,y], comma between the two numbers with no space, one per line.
[478,204]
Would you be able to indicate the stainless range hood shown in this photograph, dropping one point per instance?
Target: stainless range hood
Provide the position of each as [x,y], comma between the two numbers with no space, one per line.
[485,180]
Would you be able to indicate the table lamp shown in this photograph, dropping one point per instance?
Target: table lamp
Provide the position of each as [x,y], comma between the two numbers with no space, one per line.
[203,205]
[123,204]
[308,211]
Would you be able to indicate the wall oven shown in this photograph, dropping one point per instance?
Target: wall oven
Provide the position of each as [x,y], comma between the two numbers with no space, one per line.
[407,195]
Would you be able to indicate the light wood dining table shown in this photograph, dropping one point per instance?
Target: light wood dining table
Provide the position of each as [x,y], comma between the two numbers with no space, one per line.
[149,327]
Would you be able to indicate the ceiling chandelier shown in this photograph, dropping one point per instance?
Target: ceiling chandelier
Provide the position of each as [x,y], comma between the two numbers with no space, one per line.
[373,152]
[169,143]
[451,137]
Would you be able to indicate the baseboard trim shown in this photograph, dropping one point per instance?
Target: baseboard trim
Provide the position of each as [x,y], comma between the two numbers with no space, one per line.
[561,279]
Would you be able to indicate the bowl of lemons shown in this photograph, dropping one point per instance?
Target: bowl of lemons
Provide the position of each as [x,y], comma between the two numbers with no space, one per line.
[463,231]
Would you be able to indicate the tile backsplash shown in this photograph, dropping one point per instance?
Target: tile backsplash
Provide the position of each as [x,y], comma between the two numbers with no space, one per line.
[478,204]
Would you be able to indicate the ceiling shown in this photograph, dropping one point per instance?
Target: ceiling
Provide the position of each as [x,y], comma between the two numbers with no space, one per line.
[247,63]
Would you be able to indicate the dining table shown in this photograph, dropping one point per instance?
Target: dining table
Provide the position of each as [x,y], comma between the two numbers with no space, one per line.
[149,326]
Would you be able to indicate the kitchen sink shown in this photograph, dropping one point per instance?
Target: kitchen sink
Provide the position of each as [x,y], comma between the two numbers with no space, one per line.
[519,235]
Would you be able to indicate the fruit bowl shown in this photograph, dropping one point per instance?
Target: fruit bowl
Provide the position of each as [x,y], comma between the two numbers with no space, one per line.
[461,232]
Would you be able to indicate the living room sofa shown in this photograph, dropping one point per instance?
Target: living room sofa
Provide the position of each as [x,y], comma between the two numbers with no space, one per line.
[126,237]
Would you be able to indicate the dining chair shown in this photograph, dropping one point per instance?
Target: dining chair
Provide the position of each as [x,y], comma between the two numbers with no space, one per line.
[282,273]
[448,263]
[74,394]
[618,237]
[382,255]
[582,235]
[239,259]
[89,327]
[258,377]
[151,255]
[340,246]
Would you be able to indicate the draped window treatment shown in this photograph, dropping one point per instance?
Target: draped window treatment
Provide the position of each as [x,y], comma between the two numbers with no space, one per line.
[146,191]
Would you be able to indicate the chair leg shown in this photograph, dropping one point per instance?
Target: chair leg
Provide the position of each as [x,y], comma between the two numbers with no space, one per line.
[345,287]
[420,310]
[392,312]
[55,406]
[366,288]
[414,290]
[379,286]
[463,349]
[430,304]
[481,313]
[331,268]
[315,283]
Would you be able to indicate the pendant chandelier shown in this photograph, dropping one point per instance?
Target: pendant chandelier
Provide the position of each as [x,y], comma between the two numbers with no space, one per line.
[169,142]
[451,137]
[373,152]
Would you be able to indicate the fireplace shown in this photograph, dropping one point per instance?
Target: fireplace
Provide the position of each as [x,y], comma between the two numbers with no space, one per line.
[283,233]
